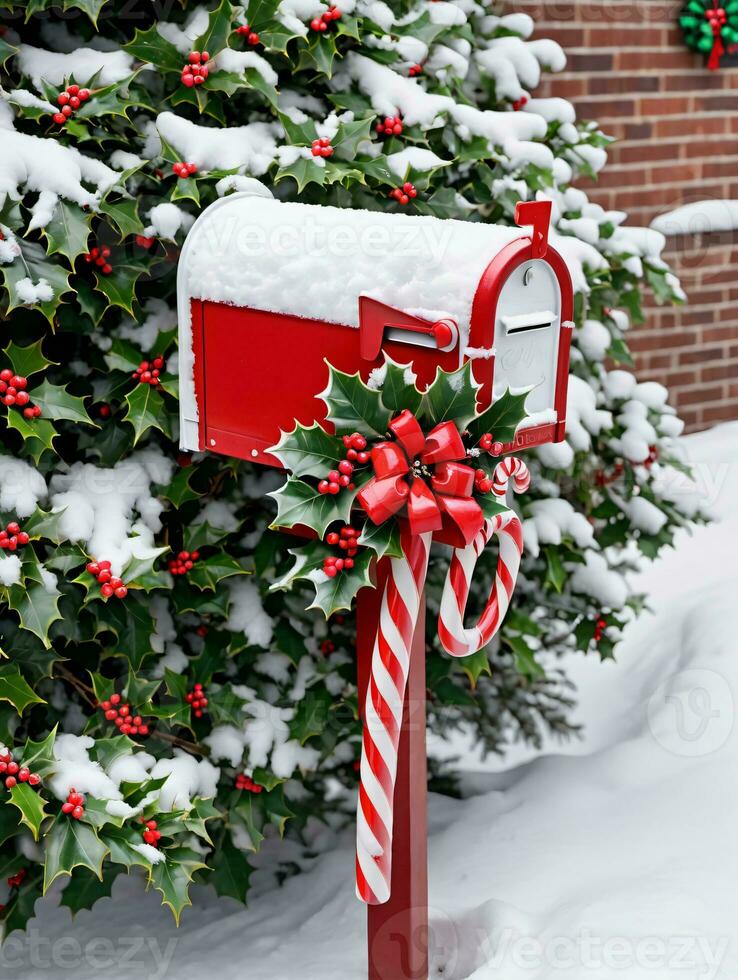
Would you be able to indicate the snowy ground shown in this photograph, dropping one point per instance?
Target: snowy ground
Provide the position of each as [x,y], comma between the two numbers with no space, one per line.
[613,857]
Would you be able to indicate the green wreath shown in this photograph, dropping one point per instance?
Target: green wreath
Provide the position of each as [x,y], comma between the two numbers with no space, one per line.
[710,27]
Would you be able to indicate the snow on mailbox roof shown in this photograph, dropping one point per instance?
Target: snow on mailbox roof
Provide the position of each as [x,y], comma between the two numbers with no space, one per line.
[315,262]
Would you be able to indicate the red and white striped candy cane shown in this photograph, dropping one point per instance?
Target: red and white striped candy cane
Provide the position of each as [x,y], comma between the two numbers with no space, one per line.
[457,639]
[385,699]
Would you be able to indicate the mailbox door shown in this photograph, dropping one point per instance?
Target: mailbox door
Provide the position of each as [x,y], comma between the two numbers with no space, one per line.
[256,372]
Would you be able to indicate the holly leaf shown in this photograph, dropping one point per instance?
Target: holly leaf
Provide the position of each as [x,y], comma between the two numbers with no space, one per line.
[56,403]
[124,215]
[173,877]
[37,608]
[311,714]
[451,397]
[149,46]
[123,356]
[146,410]
[218,30]
[300,503]
[524,657]
[85,889]
[475,665]
[39,756]
[231,871]
[27,360]
[308,561]
[32,273]
[555,571]
[122,843]
[120,285]
[309,450]
[15,689]
[332,594]
[31,805]
[72,844]
[304,170]
[207,572]
[502,418]
[397,393]
[68,231]
[354,406]
[350,134]
[38,434]
[383,539]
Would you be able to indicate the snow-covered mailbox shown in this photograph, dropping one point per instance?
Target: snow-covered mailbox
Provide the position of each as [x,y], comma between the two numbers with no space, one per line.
[268,290]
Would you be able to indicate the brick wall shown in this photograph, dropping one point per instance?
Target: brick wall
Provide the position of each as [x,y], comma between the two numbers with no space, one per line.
[677,129]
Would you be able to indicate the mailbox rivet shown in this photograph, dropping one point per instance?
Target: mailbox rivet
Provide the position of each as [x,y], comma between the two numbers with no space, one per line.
[254,452]
[212,442]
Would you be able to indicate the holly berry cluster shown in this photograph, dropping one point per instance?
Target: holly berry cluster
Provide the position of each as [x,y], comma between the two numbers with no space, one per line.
[346,540]
[183,562]
[144,241]
[391,126]
[148,372]
[519,103]
[356,454]
[251,36]
[151,835]
[70,99]
[110,585]
[197,700]
[602,479]
[482,481]
[100,258]
[16,880]
[403,195]
[600,627]
[13,773]
[415,70]
[13,389]
[487,444]
[322,147]
[244,782]
[75,805]
[717,18]
[327,647]
[195,70]
[120,714]
[184,170]
[322,23]
[12,538]
[653,456]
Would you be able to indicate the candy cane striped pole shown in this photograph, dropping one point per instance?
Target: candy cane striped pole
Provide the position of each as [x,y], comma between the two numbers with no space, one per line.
[455,638]
[383,711]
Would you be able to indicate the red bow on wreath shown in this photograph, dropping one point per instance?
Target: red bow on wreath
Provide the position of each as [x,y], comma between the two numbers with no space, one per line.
[401,469]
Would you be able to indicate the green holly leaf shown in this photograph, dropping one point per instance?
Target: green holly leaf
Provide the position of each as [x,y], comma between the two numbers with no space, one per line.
[180,490]
[555,572]
[38,434]
[502,418]
[207,572]
[72,844]
[308,561]
[122,843]
[197,817]
[97,816]
[333,594]
[491,505]
[7,51]
[300,503]
[304,171]
[353,406]
[383,539]
[27,360]
[475,665]
[350,134]
[122,356]
[309,450]
[146,410]
[218,30]
[524,657]
[56,403]
[397,394]
[85,889]
[451,397]
[106,751]
[39,756]
[37,607]
[31,805]
[311,714]
[318,54]
[173,877]
[15,689]
[32,264]
[124,215]
[68,231]
[231,871]
[120,285]
[149,46]
[224,706]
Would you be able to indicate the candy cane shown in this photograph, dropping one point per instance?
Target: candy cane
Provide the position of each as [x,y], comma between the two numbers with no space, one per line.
[385,699]
[455,637]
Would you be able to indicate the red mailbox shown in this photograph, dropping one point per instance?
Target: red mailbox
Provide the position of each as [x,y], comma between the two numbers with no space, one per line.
[269,290]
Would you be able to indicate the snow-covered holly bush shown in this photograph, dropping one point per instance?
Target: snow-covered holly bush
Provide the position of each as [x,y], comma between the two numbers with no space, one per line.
[159,707]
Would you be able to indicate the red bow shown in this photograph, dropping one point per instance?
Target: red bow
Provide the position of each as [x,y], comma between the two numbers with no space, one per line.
[449,497]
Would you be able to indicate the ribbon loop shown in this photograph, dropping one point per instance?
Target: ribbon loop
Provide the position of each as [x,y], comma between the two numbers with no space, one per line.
[422,510]
[406,429]
[444,443]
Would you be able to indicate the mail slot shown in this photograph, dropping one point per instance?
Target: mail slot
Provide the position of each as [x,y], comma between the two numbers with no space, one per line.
[269,291]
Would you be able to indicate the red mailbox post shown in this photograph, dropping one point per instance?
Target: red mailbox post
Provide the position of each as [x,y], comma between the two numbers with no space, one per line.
[267,291]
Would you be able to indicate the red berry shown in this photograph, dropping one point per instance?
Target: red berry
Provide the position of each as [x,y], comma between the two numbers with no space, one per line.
[333,488]
[188,80]
[345,467]
[106,590]
[115,699]
[323,486]
[67,807]
[10,782]
[111,714]
[73,89]
[84,94]
[78,813]
[332,538]
[24,774]
[13,768]
[363,458]
[121,592]
[34,779]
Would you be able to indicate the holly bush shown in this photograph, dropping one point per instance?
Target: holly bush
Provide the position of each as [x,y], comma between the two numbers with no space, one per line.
[173,709]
